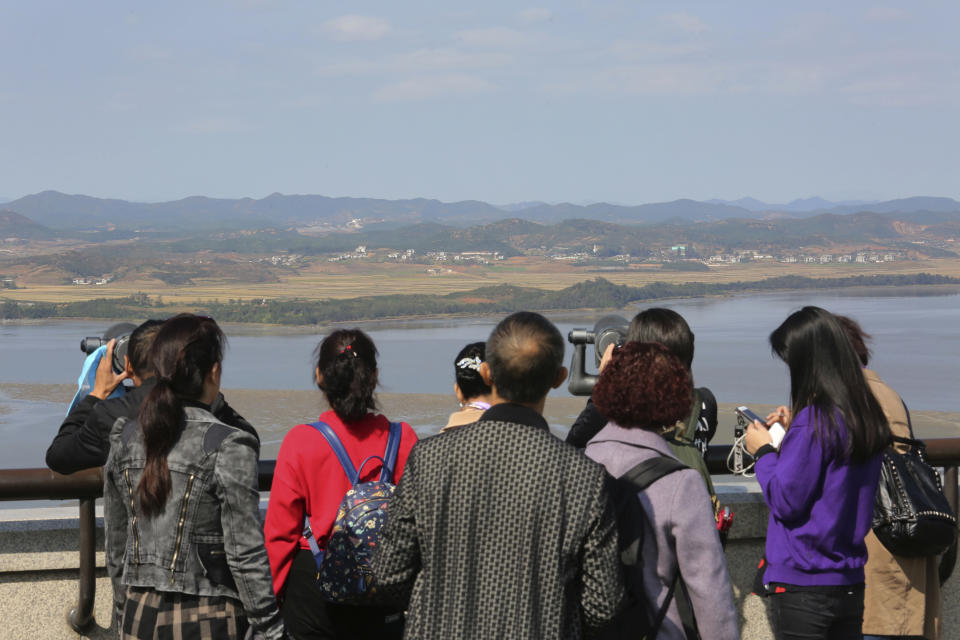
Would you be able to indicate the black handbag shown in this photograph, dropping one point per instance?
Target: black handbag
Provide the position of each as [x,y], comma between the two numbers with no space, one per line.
[912,517]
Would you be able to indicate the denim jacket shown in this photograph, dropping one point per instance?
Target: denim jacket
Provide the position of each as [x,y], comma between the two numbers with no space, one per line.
[208,540]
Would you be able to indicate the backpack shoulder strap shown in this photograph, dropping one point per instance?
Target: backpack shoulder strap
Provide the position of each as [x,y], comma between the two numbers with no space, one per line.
[391,453]
[334,441]
[640,478]
[649,471]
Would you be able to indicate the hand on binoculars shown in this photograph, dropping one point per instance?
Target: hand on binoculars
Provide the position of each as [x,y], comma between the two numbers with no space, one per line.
[106,379]
[607,355]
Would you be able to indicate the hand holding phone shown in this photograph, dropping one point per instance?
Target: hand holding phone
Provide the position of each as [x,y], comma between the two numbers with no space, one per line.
[776,430]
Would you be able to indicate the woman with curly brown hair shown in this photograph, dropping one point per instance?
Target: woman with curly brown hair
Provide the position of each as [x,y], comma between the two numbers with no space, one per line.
[643,390]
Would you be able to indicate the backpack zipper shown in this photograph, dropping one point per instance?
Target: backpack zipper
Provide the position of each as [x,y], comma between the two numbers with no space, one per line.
[378,501]
[183,514]
[133,512]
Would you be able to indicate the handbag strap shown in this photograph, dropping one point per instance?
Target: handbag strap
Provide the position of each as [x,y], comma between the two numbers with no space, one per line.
[909,422]
[916,444]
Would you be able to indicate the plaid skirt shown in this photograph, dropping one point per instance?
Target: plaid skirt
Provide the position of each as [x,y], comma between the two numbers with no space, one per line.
[160,615]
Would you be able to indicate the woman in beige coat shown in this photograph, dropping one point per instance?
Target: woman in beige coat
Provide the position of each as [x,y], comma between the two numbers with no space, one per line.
[902,598]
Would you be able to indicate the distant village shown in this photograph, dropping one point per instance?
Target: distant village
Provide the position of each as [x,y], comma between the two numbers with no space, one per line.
[678,253]
[410,255]
[674,253]
[681,256]
[861,257]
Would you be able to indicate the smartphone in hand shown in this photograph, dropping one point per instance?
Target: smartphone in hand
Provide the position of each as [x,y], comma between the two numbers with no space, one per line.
[776,429]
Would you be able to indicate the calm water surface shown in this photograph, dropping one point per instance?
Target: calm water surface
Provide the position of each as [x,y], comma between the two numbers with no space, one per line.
[916,344]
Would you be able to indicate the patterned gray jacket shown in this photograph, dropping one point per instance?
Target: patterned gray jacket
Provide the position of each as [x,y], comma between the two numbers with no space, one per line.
[498,529]
[209,538]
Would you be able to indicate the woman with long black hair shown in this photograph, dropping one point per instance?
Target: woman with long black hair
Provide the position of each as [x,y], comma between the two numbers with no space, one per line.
[820,484]
[184,540]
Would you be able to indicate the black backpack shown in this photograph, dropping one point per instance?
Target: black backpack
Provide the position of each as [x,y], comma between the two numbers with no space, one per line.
[634,620]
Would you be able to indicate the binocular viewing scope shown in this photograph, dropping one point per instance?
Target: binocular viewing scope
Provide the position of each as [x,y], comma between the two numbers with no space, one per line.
[608,330]
[121,332]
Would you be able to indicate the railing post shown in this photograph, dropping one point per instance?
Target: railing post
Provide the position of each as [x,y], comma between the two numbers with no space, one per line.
[80,617]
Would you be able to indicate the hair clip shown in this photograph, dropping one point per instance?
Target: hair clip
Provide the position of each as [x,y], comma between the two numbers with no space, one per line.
[470,363]
[349,348]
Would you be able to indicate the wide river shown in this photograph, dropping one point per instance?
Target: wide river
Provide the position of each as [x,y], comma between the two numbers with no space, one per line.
[916,344]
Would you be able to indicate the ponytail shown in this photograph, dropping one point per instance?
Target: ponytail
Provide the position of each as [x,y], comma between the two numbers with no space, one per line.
[183,353]
[161,416]
[347,361]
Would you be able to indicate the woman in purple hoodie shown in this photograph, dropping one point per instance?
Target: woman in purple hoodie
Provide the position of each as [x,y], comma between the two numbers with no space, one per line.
[820,484]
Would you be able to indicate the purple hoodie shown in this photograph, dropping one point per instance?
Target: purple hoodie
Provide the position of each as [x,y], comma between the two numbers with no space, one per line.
[821,508]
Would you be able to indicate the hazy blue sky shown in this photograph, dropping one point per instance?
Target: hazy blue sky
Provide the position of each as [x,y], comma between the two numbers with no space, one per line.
[619,101]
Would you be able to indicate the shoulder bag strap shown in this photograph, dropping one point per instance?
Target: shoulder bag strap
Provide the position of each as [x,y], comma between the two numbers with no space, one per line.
[909,422]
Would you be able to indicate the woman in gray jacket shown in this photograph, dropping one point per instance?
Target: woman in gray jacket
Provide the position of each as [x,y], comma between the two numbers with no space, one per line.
[181,504]
[643,390]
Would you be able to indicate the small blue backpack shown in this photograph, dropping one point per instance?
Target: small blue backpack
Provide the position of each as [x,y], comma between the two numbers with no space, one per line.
[343,568]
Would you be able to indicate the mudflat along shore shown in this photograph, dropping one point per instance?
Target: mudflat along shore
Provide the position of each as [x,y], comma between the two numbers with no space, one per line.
[274,412]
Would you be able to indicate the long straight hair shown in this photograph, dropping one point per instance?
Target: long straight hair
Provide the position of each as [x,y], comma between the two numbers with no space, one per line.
[825,374]
[183,353]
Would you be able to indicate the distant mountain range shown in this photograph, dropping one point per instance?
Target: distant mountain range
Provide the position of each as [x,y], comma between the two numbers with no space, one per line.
[61,211]
[801,205]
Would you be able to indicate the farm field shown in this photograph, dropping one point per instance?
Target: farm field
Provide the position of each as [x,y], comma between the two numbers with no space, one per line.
[319,281]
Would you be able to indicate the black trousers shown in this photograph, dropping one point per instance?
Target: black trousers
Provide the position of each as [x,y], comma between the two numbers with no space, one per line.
[308,616]
[818,613]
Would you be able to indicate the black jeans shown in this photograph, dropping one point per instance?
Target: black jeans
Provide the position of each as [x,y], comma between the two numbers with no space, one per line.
[818,613]
[308,616]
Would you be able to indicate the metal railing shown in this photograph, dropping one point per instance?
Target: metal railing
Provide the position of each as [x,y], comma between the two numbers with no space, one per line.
[87,486]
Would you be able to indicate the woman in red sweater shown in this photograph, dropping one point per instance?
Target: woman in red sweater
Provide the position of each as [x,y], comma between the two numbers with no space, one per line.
[309,480]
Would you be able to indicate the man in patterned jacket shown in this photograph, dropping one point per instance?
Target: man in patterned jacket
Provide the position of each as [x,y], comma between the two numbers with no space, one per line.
[498,529]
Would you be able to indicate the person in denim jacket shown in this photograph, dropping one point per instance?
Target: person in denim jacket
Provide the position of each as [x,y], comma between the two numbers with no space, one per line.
[184,541]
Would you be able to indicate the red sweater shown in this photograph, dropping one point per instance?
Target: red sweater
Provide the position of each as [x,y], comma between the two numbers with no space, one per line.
[309,477]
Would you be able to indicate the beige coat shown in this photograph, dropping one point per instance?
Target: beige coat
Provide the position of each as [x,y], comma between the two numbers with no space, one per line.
[903,594]
[467,415]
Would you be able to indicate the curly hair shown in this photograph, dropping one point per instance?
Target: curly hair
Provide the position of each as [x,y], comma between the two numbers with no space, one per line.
[644,386]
